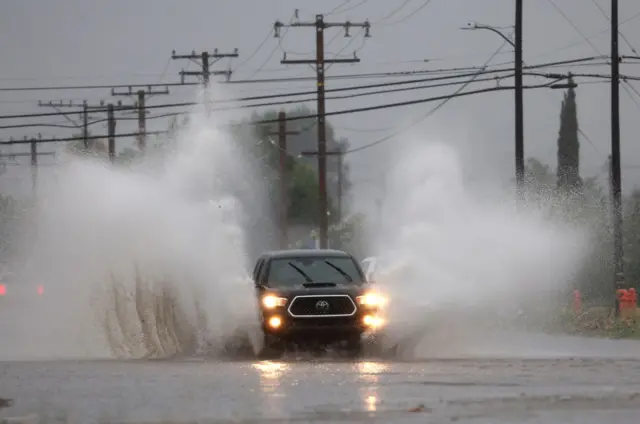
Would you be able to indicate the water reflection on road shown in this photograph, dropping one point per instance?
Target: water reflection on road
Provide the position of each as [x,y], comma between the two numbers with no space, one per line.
[463,390]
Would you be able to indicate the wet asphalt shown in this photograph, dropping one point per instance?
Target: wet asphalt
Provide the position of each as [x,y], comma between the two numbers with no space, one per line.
[464,377]
[324,390]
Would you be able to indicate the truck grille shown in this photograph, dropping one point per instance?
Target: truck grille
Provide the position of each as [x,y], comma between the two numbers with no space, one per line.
[339,305]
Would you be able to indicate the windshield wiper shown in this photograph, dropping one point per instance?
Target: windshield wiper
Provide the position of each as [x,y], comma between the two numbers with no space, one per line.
[301,272]
[337,268]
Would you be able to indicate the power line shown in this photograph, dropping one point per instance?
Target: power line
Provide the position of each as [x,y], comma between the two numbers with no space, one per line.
[320,61]
[584,37]
[406,18]
[615,174]
[428,114]
[590,37]
[271,96]
[413,73]
[205,72]
[393,12]
[390,74]
[628,86]
[315,116]
[275,48]
[262,43]
[334,11]
[397,74]
[289,102]
[619,32]
[300,93]
[140,106]
[271,104]
[586,137]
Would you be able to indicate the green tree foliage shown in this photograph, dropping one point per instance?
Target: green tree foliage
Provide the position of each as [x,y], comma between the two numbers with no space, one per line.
[94,146]
[591,211]
[568,170]
[586,202]
[349,235]
[539,182]
[303,194]
[260,143]
[632,239]
[303,183]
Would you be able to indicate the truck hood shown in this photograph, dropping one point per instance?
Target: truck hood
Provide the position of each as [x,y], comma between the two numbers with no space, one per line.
[348,289]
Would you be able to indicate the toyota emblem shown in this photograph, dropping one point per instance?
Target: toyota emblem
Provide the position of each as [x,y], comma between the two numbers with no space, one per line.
[322,305]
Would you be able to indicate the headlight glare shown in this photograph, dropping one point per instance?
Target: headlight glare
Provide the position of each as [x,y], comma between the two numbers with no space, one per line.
[371,299]
[275,322]
[373,322]
[270,301]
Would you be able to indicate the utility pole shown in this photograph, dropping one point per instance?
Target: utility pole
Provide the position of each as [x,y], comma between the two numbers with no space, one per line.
[140,105]
[205,71]
[519,103]
[340,183]
[111,125]
[86,108]
[616,177]
[282,134]
[616,282]
[33,154]
[320,25]
[339,154]
[34,166]
[85,115]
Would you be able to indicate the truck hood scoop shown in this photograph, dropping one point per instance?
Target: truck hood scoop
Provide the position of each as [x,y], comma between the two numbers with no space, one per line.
[314,285]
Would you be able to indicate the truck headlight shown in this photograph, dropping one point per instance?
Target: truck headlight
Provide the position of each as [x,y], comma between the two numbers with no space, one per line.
[373,322]
[270,301]
[371,299]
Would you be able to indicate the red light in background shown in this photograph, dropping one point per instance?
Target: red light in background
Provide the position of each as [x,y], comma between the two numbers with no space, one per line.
[3,290]
[40,290]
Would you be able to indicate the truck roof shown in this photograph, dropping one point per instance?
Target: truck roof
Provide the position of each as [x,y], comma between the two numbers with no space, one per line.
[296,253]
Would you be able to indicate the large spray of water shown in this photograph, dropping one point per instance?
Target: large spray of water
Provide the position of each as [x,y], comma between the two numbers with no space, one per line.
[452,252]
[148,261]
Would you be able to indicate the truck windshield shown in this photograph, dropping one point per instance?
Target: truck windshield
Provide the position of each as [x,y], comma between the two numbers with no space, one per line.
[313,270]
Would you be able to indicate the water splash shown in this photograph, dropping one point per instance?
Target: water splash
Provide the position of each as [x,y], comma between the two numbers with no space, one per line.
[458,254]
[149,261]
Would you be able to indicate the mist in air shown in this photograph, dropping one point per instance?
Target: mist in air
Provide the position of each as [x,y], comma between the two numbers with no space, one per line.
[451,252]
[145,261]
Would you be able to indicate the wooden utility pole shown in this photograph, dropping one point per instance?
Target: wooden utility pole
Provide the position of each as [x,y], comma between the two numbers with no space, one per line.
[283,211]
[339,154]
[616,171]
[33,154]
[140,106]
[86,109]
[320,25]
[111,125]
[205,72]
[519,103]
[340,186]
[85,115]
[34,165]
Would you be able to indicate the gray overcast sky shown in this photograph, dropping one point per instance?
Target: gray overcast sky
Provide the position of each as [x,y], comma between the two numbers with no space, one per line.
[71,42]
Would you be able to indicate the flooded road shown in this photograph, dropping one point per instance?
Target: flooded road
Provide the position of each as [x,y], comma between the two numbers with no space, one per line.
[543,390]
[456,375]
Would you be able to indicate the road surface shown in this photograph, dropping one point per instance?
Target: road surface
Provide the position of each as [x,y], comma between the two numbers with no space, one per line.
[459,376]
[463,390]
